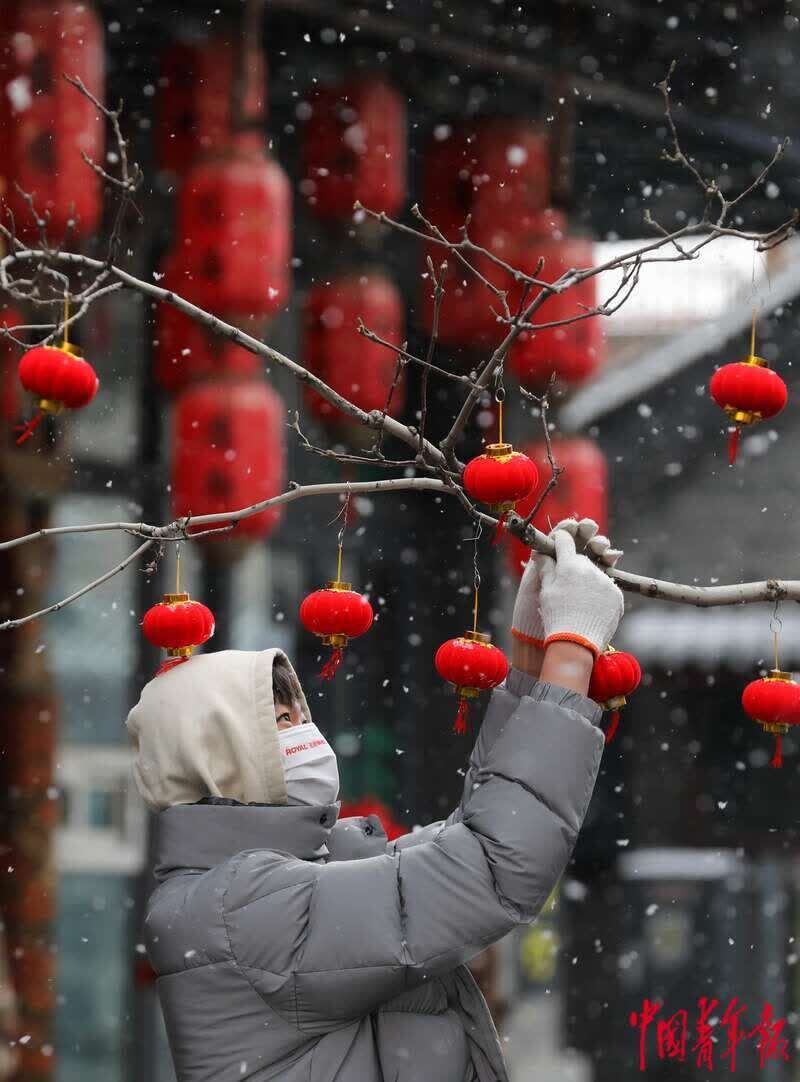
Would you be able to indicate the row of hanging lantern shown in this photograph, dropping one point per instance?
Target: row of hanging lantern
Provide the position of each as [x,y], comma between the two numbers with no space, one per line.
[231,250]
[231,256]
[45,123]
[470,663]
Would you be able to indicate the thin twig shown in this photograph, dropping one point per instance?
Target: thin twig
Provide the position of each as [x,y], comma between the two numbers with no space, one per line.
[9,625]
[438,295]
[543,402]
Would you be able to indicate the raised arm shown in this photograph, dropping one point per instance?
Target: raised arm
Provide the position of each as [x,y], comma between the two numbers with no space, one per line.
[347,936]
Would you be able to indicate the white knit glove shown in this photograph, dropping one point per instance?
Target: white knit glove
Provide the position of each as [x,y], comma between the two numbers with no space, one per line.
[526,621]
[579,602]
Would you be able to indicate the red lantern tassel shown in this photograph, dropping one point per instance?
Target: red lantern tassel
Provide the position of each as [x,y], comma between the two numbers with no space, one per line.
[733,445]
[612,726]
[170,663]
[500,528]
[777,758]
[460,726]
[328,670]
[28,429]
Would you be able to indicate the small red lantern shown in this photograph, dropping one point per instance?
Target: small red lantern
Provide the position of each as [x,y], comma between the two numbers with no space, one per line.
[352,365]
[581,492]
[178,625]
[186,351]
[354,148]
[336,614]
[748,391]
[229,453]
[235,232]
[472,664]
[59,377]
[614,676]
[500,477]
[195,99]
[46,124]
[774,703]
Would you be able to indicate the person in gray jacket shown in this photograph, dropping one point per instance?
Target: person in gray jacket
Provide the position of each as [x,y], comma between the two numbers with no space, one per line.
[289,945]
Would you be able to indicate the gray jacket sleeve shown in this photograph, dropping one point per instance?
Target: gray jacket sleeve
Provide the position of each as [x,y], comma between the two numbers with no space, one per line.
[503,702]
[356,933]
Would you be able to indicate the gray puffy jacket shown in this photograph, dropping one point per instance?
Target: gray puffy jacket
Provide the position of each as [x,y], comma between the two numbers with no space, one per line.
[291,946]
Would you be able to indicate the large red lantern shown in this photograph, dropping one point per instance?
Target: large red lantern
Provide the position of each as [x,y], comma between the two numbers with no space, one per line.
[472,665]
[233,249]
[229,452]
[196,100]
[46,124]
[774,703]
[186,351]
[496,172]
[335,615]
[59,378]
[581,492]
[178,625]
[748,391]
[512,180]
[574,351]
[358,369]
[614,676]
[354,148]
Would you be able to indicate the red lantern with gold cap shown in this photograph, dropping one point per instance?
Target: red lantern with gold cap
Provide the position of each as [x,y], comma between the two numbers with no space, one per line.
[470,662]
[177,624]
[472,665]
[336,614]
[500,476]
[59,377]
[614,676]
[748,391]
[774,703]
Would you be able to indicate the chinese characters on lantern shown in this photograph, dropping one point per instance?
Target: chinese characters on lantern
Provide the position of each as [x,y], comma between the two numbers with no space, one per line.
[713,1039]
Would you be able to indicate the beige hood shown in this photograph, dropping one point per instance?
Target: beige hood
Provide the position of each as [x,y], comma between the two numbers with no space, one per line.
[207,728]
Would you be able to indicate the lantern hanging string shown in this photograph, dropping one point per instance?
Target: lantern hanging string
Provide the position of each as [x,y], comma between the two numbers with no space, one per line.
[499,397]
[476,576]
[178,568]
[65,328]
[342,529]
[753,334]
[775,626]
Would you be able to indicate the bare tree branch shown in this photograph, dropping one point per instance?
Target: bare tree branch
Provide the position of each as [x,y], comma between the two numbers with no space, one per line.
[41,274]
[9,625]
[543,402]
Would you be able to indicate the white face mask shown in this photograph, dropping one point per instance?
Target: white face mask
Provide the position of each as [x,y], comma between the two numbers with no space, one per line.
[309,765]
